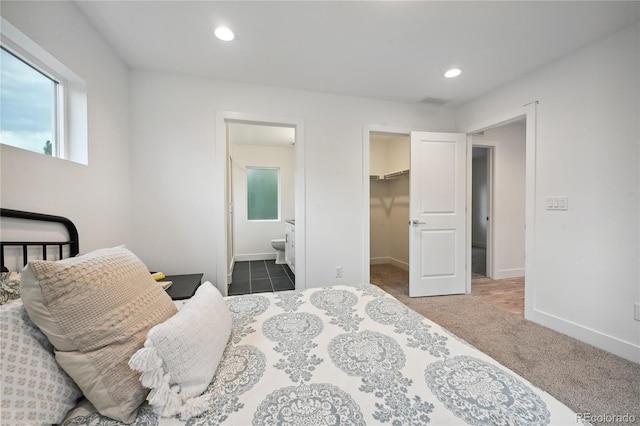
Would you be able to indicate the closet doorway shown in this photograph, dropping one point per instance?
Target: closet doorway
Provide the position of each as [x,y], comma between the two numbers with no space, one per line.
[389,168]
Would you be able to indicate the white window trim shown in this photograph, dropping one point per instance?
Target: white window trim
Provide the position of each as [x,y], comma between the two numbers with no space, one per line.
[71,125]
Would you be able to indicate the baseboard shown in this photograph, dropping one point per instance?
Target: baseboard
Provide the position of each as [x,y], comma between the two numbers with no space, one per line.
[389,260]
[254,256]
[399,264]
[614,345]
[509,273]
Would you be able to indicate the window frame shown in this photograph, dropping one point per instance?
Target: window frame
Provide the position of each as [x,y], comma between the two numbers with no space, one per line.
[278,188]
[59,94]
[71,97]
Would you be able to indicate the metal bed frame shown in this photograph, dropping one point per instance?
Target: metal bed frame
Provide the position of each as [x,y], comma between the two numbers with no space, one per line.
[73,242]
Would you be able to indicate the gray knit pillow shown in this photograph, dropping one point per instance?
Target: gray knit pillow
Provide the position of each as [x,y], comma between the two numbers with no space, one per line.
[96,310]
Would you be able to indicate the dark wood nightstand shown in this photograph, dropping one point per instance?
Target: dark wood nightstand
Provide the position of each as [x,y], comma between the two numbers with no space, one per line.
[184,286]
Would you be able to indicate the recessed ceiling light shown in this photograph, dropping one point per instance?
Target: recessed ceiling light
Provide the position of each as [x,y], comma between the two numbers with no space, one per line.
[224,33]
[453,72]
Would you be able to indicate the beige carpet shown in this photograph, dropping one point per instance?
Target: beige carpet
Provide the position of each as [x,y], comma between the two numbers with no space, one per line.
[586,379]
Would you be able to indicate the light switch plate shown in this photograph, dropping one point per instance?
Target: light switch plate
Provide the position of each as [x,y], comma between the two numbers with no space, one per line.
[557,202]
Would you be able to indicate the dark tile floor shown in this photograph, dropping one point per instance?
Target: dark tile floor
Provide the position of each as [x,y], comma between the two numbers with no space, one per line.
[259,276]
[478,262]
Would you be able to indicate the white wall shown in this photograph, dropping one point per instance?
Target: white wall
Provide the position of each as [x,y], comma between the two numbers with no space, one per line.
[173,122]
[252,239]
[509,166]
[378,155]
[96,196]
[379,222]
[399,222]
[585,276]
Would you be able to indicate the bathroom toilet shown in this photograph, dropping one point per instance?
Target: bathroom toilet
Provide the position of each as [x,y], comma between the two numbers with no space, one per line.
[278,244]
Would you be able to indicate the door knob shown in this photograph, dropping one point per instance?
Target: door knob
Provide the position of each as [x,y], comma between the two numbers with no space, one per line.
[415,222]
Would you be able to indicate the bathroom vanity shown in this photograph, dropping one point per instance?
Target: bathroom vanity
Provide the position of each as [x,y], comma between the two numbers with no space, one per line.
[290,244]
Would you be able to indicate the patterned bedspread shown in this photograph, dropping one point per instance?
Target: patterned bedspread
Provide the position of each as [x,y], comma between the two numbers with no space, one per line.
[353,356]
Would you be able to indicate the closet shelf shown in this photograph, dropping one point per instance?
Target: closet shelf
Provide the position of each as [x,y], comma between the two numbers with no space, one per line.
[389,176]
[396,174]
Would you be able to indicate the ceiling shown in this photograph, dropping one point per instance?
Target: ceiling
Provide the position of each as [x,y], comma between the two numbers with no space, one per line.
[390,50]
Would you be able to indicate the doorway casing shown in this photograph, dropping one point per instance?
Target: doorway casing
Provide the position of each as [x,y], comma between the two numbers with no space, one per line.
[529,113]
[222,212]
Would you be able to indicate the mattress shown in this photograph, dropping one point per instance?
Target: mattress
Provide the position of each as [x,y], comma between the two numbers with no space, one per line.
[352,355]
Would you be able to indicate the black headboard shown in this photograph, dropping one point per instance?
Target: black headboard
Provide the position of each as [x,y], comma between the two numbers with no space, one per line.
[73,241]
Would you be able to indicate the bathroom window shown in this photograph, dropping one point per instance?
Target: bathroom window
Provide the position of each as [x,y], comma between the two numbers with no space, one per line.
[263,193]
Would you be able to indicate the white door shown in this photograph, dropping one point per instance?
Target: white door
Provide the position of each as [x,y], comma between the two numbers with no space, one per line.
[437,206]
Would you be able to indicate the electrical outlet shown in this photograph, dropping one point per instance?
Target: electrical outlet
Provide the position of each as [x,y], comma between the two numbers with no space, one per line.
[636,311]
[338,271]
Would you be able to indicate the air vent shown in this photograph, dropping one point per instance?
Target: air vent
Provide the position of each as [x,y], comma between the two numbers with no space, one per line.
[434,101]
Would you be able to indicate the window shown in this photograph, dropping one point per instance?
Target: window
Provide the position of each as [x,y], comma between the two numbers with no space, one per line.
[263,193]
[29,105]
[43,103]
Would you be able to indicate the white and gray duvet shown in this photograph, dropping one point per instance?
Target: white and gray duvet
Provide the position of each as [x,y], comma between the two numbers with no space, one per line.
[353,356]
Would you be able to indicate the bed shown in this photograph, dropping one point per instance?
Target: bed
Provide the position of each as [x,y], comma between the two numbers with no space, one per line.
[349,355]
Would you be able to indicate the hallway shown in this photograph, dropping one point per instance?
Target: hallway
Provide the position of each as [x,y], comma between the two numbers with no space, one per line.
[506,293]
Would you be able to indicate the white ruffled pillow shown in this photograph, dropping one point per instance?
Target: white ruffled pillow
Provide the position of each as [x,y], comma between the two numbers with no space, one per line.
[181,355]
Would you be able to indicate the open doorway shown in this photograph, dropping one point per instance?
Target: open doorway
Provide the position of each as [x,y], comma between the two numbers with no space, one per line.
[228,245]
[498,201]
[262,207]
